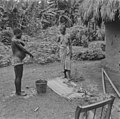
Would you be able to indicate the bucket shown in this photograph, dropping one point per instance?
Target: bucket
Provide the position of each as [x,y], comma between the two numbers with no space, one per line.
[41,86]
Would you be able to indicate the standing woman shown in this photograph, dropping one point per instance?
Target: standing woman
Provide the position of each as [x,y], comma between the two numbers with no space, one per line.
[65,52]
[19,53]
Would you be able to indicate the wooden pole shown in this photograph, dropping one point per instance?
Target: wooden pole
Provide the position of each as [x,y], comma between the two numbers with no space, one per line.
[114,87]
[103,81]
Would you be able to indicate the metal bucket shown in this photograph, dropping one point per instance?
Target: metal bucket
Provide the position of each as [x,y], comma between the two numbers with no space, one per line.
[41,86]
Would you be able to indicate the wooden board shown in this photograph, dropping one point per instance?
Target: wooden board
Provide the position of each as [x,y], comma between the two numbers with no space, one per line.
[64,89]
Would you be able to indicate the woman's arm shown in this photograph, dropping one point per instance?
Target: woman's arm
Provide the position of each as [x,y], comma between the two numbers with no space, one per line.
[70,47]
[18,44]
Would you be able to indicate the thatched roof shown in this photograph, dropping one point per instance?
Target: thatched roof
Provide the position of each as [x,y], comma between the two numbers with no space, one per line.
[106,10]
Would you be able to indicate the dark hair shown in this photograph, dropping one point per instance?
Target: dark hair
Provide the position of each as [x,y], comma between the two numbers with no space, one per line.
[17,32]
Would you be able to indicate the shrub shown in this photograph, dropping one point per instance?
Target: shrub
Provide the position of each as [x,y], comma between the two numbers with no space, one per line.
[6,36]
[89,55]
[79,35]
[97,45]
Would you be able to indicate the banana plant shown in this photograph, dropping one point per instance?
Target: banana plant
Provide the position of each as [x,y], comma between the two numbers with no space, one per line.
[67,11]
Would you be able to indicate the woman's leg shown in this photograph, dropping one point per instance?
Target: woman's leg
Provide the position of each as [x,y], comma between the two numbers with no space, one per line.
[68,75]
[18,77]
[65,71]
[65,75]
[68,67]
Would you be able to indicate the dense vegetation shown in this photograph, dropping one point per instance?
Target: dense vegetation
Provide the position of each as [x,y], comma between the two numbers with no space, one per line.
[39,20]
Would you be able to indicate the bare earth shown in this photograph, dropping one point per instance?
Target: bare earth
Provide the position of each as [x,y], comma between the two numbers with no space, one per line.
[49,105]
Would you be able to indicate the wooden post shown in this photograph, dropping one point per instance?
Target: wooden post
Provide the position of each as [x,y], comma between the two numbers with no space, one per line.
[103,81]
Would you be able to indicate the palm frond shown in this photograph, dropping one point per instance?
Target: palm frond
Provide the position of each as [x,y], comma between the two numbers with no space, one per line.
[101,9]
[45,21]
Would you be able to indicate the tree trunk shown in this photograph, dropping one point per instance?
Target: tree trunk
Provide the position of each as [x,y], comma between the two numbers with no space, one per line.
[112,31]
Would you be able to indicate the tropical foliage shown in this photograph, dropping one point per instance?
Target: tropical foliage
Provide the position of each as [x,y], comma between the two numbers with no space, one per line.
[39,21]
[27,14]
[100,10]
[67,11]
[22,14]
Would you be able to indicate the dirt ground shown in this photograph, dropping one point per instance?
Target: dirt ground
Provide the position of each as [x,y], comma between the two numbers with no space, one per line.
[49,105]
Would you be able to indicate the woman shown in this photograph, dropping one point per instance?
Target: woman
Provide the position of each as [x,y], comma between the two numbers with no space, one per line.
[65,52]
[19,53]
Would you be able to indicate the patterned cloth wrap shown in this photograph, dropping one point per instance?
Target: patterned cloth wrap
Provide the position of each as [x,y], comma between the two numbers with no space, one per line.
[65,53]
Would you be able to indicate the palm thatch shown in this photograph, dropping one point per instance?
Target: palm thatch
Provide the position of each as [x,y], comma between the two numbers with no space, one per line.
[100,10]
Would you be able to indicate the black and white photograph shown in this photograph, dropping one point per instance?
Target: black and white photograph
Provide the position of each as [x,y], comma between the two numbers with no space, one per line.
[59,59]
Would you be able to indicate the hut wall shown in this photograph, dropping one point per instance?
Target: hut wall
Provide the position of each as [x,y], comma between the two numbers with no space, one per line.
[113,45]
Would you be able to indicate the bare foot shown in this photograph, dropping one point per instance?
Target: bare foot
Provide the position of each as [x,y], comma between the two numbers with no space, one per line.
[22,91]
[67,81]
[21,94]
